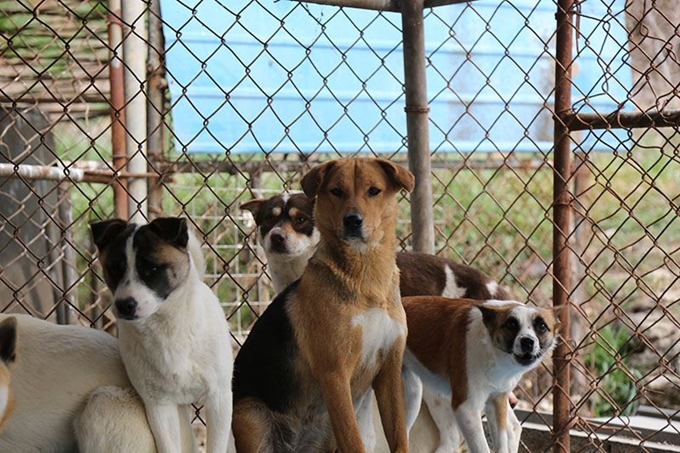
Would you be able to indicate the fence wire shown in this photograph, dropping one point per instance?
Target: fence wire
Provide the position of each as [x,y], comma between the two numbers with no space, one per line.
[244,96]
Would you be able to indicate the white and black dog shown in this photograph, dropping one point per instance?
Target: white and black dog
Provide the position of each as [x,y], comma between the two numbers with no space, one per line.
[173,334]
[286,230]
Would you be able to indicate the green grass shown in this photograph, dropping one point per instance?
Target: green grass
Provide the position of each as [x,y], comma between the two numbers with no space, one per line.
[615,382]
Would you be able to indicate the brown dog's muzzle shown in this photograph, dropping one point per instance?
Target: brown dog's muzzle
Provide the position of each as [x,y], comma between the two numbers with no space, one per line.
[353,223]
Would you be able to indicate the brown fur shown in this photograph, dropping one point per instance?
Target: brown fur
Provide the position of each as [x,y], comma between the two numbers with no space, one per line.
[348,280]
[444,361]
[423,275]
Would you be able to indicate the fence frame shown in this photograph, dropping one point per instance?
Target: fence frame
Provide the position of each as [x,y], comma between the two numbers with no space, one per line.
[137,183]
[566,122]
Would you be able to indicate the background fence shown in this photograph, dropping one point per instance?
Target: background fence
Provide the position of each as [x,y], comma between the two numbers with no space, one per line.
[553,148]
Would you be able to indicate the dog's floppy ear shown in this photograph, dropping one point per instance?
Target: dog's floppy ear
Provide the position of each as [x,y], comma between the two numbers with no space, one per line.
[173,230]
[312,181]
[253,206]
[398,174]
[557,312]
[8,339]
[489,315]
[105,230]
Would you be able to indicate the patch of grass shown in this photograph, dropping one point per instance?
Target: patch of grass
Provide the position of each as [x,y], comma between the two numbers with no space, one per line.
[615,383]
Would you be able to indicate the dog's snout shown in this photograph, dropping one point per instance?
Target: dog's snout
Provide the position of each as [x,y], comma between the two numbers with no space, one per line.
[527,344]
[278,238]
[126,308]
[353,221]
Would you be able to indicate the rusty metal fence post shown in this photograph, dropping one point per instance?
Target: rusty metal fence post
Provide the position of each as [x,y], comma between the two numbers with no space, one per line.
[562,224]
[415,83]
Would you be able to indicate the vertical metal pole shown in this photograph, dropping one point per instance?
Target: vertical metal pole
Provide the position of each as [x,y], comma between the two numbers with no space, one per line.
[135,54]
[117,108]
[562,224]
[155,112]
[68,261]
[415,81]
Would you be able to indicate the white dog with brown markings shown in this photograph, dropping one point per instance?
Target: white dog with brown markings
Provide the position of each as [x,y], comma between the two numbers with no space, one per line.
[478,357]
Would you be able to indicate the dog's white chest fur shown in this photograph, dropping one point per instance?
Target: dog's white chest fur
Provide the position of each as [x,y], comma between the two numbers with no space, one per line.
[379,331]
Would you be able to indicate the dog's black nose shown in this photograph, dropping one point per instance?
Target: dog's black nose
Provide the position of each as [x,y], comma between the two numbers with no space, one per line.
[278,238]
[527,344]
[126,307]
[353,221]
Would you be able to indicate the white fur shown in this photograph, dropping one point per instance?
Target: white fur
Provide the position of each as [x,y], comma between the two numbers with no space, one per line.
[4,400]
[492,287]
[59,369]
[364,412]
[125,407]
[196,255]
[178,354]
[379,332]
[451,289]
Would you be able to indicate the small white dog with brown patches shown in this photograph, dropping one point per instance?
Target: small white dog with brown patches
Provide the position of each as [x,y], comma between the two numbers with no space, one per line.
[477,356]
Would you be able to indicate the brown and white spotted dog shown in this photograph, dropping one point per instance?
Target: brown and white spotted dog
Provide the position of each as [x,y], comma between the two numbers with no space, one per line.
[337,332]
[480,353]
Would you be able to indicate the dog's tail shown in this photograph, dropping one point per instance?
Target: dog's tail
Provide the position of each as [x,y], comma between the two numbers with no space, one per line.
[196,253]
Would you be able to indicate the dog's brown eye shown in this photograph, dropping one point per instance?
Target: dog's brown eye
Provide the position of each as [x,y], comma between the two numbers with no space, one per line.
[300,220]
[540,326]
[373,191]
[511,324]
[336,192]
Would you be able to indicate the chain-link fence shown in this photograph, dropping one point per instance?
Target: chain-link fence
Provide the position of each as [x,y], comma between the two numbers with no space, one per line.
[551,149]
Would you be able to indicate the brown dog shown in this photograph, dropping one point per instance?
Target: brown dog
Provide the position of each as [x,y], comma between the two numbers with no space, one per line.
[340,330]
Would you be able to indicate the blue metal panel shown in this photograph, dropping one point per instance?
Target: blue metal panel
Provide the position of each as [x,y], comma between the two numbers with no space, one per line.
[248,76]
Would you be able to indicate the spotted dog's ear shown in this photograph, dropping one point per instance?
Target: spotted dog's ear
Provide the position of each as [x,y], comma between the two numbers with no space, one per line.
[253,206]
[173,230]
[312,181]
[489,315]
[400,176]
[555,313]
[104,231]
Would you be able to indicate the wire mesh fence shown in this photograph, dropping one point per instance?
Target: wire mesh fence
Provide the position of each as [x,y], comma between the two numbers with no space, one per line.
[244,96]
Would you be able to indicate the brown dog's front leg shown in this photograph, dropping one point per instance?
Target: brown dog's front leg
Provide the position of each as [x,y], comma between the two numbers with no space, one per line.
[389,392]
[338,397]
